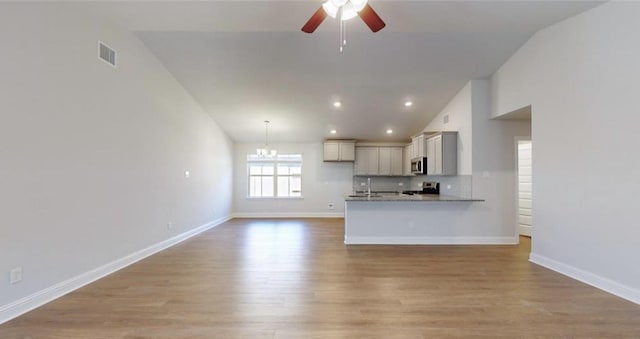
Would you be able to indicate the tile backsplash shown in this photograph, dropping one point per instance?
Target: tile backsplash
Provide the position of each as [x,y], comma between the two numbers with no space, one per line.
[458,185]
[382,184]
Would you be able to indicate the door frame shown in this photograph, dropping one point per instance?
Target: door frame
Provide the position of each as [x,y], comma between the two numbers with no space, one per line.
[517,183]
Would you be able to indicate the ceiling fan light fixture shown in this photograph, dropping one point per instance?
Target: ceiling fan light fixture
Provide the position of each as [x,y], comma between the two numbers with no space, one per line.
[348,12]
[350,8]
[358,5]
[330,8]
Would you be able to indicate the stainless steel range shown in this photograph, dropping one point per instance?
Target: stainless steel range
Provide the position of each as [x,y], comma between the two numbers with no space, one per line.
[428,187]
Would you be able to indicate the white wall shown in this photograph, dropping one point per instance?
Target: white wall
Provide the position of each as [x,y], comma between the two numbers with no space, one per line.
[494,161]
[322,183]
[92,158]
[459,111]
[581,78]
[486,152]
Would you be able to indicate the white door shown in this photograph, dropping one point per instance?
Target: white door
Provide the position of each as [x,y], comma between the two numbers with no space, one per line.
[525,201]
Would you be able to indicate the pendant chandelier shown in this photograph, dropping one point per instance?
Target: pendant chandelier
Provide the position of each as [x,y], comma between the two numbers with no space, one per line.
[266,151]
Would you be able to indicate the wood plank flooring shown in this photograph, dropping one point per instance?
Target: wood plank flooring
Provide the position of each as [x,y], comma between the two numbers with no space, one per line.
[296,279]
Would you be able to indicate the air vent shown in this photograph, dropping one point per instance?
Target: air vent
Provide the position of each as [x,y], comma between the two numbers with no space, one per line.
[106,54]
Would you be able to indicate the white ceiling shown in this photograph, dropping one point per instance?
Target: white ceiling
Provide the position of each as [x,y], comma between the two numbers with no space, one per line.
[247,61]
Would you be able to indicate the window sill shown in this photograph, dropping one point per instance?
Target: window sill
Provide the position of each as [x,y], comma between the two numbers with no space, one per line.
[274,198]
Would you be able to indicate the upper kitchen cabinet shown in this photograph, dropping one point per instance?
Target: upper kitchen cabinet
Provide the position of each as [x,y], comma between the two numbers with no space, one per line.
[373,160]
[408,154]
[390,161]
[418,146]
[442,153]
[366,161]
[339,150]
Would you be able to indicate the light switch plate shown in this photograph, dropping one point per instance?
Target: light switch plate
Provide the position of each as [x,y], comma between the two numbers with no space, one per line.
[15,275]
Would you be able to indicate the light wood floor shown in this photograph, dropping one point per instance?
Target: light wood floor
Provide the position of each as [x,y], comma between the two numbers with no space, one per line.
[296,279]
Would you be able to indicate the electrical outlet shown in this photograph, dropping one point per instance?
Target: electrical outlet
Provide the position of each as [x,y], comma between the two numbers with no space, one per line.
[187,174]
[169,225]
[400,184]
[448,187]
[362,184]
[330,205]
[15,276]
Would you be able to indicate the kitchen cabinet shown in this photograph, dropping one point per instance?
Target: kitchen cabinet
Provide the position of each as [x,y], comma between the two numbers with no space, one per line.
[378,161]
[408,154]
[396,160]
[390,160]
[442,153]
[384,161]
[418,146]
[339,150]
[366,161]
[431,156]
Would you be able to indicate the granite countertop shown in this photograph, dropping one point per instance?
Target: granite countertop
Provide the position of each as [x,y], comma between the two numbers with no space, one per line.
[406,197]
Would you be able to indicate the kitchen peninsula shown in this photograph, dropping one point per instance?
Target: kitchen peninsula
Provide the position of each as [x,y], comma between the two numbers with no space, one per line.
[406,219]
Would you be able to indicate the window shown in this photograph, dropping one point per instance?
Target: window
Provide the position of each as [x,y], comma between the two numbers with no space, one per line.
[275,177]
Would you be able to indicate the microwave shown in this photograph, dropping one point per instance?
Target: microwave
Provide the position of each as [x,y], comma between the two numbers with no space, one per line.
[419,165]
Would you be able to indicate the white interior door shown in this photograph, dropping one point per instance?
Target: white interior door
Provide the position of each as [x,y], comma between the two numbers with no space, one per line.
[525,198]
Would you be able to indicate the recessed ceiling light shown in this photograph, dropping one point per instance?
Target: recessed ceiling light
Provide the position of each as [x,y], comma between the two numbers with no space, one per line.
[337,104]
[333,131]
[408,103]
[389,131]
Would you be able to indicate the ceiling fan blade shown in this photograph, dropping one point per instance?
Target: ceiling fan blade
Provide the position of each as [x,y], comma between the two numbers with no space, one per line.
[371,18]
[315,21]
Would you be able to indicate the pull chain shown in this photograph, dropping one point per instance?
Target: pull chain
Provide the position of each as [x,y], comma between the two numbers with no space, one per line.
[341,22]
[344,33]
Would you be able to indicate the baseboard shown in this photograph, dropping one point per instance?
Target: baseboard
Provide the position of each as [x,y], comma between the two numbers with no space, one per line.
[28,303]
[524,230]
[288,215]
[430,240]
[607,285]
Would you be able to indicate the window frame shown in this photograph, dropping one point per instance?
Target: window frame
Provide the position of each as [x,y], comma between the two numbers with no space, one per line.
[274,161]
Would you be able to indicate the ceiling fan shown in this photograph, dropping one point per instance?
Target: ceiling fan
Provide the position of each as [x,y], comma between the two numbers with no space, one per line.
[345,9]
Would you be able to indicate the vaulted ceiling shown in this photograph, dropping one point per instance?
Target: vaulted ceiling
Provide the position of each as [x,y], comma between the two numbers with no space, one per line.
[248,61]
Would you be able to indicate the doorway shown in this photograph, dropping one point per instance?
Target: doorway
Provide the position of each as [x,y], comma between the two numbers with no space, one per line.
[524,149]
